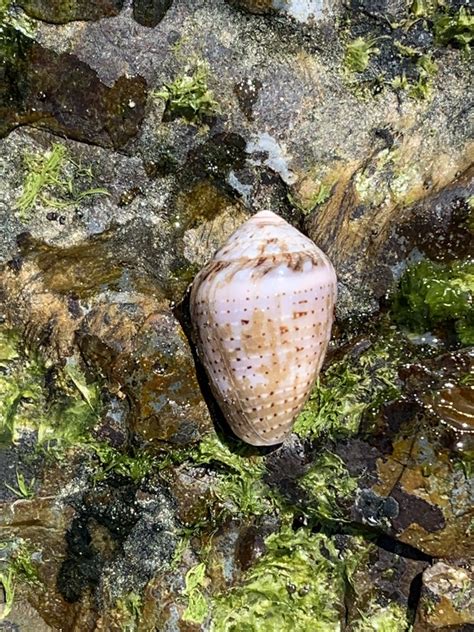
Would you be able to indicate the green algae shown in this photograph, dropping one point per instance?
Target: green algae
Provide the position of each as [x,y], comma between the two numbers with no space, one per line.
[197,608]
[328,484]
[15,568]
[420,88]
[51,180]
[239,482]
[433,294]
[130,608]
[59,405]
[135,466]
[189,96]
[358,53]
[349,390]
[389,618]
[456,30]
[298,584]
[24,488]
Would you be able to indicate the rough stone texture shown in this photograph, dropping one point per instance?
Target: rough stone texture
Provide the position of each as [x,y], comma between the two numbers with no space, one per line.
[59,12]
[305,118]
[447,600]
[142,350]
[386,575]
[127,333]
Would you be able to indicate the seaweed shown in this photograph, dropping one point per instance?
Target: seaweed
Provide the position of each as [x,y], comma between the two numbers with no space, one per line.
[298,584]
[437,295]
[349,390]
[239,483]
[189,96]
[48,183]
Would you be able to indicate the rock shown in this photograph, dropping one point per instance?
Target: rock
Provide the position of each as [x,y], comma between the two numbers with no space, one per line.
[59,12]
[41,523]
[130,336]
[23,618]
[255,6]
[62,94]
[142,527]
[150,12]
[300,10]
[424,472]
[191,489]
[141,349]
[368,267]
[447,599]
[382,586]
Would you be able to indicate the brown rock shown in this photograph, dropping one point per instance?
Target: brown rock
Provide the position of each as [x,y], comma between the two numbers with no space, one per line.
[64,95]
[447,599]
[254,6]
[59,12]
[141,348]
[150,12]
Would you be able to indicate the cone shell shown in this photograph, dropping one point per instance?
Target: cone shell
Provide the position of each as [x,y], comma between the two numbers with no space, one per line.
[262,310]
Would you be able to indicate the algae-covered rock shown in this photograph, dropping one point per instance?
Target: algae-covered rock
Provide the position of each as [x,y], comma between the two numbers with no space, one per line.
[137,136]
[58,12]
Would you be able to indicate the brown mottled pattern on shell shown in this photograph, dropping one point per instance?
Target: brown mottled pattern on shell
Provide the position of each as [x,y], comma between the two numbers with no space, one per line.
[263,325]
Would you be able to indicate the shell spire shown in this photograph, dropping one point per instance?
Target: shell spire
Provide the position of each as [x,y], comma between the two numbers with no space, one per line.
[262,310]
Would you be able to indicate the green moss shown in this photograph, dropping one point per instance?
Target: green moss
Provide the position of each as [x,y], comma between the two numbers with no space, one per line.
[16,565]
[348,390]
[434,295]
[197,608]
[328,484]
[377,618]
[298,584]
[51,180]
[130,608]
[457,29]
[111,460]
[61,416]
[358,53]
[189,96]
[239,485]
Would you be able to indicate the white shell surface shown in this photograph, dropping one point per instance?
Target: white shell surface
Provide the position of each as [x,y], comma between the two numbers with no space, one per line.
[263,309]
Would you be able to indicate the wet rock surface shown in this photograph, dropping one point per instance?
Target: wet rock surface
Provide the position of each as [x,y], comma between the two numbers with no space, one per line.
[137,136]
[62,94]
[446,598]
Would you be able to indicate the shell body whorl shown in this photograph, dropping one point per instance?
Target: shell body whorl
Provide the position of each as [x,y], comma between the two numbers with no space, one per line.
[262,310]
